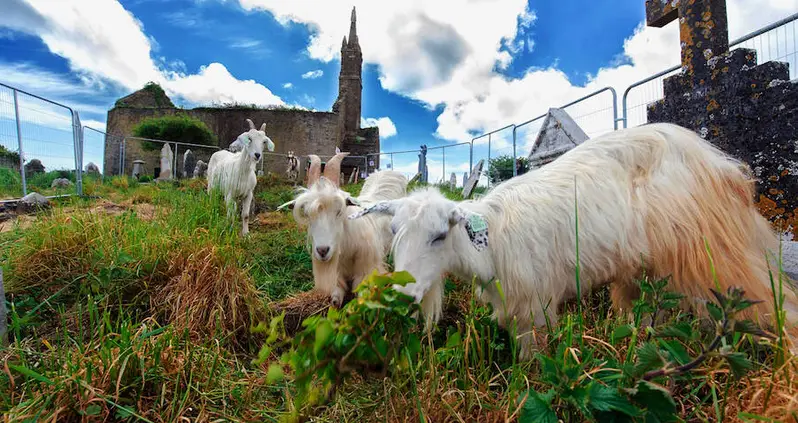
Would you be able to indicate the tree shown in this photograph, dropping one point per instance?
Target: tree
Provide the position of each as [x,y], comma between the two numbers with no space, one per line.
[178,128]
[501,168]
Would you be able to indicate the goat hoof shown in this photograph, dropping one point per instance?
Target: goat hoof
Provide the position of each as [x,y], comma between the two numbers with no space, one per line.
[336,301]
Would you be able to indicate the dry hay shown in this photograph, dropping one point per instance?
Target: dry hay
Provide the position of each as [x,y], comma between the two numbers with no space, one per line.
[299,307]
[273,221]
[779,388]
[208,295]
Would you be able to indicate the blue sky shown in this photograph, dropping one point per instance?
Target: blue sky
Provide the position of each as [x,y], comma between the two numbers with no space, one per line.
[435,73]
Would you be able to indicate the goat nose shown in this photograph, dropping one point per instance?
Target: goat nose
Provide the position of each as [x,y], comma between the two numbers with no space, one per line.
[257,156]
[322,251]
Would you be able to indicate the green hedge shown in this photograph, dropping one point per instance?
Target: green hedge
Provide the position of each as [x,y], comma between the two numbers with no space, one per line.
[501,168]
[178,128]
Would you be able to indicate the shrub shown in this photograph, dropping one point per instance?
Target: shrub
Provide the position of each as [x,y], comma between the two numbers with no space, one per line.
[145,178]
[501,168]
[178,128]
[8,156]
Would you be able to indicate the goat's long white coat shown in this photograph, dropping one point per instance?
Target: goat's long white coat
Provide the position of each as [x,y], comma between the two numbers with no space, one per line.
[648,197]
[362,244]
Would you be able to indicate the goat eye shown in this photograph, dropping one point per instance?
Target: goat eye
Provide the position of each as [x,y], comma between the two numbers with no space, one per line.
[439,238]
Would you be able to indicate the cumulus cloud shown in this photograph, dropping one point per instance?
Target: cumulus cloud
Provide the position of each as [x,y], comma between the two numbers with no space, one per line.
[387,128]
[104,42]
[452,61]
[313,74]
[288,85]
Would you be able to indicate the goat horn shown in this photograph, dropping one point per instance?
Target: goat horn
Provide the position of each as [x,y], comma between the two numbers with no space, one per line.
[332,170]
[263,128]
[251,125]
[314,171]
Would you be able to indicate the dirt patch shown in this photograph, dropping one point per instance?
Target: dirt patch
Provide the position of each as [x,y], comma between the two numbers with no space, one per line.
[273,221]
[24,221]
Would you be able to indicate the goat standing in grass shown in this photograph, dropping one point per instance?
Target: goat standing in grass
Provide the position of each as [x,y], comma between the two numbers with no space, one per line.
[234,173]
[344,252]
[654,193]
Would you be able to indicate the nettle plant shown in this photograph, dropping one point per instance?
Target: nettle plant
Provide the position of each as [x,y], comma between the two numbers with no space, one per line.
[584,381]
[373,332]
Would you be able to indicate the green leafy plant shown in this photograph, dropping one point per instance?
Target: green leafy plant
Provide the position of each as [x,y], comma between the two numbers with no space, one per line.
[585,383]
[371,332]
[178,128]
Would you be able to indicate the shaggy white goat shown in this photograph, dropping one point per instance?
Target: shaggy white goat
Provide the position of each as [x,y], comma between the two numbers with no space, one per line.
[344,251]
[653,192]
[234,173]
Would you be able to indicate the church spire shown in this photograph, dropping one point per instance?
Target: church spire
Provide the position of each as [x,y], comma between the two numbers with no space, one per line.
[353,41]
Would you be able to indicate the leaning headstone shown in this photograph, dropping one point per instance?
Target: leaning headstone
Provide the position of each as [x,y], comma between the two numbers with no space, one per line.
[92,169]
[138,168]
[415,178]
[166,162]
[476,172]
[189,162]
[236,146]
[353,176]
[200,169]
[61,183]
[453,182]
[558,134]
[748,110]
[3,315]
[465,178]
[34,166]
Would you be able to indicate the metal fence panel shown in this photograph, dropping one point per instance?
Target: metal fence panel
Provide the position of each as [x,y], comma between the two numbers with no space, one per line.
[148,151]
[10,175]
[777,42]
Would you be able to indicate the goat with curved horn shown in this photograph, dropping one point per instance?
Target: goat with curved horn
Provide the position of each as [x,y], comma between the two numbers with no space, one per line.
[332,170]
[252,125]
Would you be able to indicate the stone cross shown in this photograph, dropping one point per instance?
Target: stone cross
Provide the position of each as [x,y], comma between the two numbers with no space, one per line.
[703,31]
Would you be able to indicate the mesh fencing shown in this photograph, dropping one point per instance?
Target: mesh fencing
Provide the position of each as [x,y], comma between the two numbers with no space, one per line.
[142,158]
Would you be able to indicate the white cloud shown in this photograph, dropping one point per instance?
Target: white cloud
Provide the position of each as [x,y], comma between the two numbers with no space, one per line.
[288,85]
[104,42]
[313,74]
[427,53]
[387,128]
[95,124]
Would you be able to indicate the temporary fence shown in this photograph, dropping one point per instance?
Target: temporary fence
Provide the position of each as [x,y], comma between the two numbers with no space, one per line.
[41,142]
[147,153]
[93,150]
[777,42]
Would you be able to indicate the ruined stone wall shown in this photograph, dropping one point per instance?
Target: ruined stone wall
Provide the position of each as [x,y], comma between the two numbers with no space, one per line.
[300,131]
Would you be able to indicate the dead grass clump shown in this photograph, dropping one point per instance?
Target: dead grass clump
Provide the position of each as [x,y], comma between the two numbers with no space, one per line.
[274,221]
[22,221]
[208,295]
[299,307]
[771,395]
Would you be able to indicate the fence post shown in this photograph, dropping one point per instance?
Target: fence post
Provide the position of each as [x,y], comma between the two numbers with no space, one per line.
[3,315]
[444,163]
[392,161]
[19,142]
[515,168]
[487,167]
[471,157]
[77,140]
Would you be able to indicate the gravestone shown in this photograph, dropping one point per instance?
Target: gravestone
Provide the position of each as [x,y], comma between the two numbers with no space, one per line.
[61,183]
[166,163]
[92,169]
[558,134]
[353,176]
[476,172]
[33,202]
[200,169]
[34,166]
[422,164]
[465,178]
[415,178]
[748,110]
[453,182]
[189,163]
[138,168]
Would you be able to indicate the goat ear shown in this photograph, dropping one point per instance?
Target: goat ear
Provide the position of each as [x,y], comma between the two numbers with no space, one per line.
[384,207]
[352,201]
[244,139]
[476,226]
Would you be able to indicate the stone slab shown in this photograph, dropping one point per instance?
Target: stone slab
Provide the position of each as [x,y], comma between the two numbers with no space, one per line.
[471,183]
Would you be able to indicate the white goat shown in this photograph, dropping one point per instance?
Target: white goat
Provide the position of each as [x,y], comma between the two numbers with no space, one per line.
[654,192]
[344,251]
[234,173]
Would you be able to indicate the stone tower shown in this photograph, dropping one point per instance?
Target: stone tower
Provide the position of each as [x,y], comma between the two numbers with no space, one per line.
[350,85]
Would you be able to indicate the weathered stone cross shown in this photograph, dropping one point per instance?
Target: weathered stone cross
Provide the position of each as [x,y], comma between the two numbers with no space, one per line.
[703,31]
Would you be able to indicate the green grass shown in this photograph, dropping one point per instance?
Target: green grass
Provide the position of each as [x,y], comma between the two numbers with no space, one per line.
[139,307]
